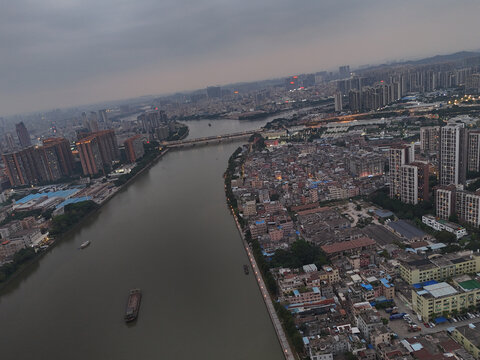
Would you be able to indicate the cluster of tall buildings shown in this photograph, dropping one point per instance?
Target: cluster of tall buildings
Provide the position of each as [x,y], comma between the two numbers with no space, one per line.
[452,200]
[155,124]
[408,178]
[374,97]
[376,90]
[40,164]
[98,151]
[54,160]
[94,121]
[299,81]
[23,135]
[134,148]
[458,151]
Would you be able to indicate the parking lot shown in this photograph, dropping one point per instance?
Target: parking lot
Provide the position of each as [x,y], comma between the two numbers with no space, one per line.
[401,326]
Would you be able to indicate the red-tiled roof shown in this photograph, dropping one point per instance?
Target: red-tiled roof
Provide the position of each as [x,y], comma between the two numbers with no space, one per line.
[347,245]
[313,211]
[449,345]
[305,207]
[418,244]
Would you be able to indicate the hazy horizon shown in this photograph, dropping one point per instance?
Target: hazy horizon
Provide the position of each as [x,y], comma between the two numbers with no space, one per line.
[60,55]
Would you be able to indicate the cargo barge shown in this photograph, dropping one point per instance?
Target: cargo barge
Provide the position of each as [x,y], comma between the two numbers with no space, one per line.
[133,305]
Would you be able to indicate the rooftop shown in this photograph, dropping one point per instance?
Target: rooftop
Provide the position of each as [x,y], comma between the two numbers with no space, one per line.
[471,332]
[62,193]
[348,245]
[470,284]
[440,289]
[406,230]
[383,213]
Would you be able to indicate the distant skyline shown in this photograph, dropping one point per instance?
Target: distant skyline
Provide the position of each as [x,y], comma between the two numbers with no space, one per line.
[57,54]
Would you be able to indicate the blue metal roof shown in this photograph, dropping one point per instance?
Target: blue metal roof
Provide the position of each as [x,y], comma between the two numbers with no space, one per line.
[73,201]
[440,320]
[385,283]
[426,283]
[61,193]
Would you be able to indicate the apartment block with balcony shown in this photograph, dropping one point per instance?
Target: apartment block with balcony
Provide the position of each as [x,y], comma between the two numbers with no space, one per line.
[436,299]
[441,268]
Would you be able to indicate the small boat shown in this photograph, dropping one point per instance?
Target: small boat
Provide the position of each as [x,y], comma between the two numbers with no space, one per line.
[84,244]
[209,124]
[133,305]
[246,270]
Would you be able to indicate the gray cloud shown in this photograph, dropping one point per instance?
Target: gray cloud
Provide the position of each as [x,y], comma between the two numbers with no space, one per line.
[65,52]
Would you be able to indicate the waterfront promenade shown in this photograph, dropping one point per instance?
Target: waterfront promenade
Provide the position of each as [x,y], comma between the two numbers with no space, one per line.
[282,338]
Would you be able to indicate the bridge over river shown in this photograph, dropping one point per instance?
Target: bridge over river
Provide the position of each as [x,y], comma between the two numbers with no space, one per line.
[211,139]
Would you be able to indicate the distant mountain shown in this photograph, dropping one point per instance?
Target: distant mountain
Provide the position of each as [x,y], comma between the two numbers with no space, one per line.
[445,58]
[437,59]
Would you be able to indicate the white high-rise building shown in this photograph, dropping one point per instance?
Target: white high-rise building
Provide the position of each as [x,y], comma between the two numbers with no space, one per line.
[338,102]
[453,154]
[468,207]
[473,156]
[409,184]
[399,156]
[429,138]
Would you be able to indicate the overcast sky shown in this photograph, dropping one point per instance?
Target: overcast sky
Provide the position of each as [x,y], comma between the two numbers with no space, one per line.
[57,53]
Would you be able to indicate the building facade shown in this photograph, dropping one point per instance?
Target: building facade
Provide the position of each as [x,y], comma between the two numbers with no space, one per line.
[429,139]
[398,156]
[97,151]
[437,299]
[31,166]
[23,135]
[469,337]
[468,207]
[473,156]
[453,154]
[134,148]
[445,201]
[418,271]
[61,147]
[443,225]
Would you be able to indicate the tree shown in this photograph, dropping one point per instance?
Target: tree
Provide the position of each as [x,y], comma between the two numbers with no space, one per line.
[300,253]
[445,237]
[450,248]
[349,356]
[453,218]
[258,141]
[274,197]
[385,254]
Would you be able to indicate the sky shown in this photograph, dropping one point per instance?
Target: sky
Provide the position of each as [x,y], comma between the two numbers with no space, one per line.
[61,53]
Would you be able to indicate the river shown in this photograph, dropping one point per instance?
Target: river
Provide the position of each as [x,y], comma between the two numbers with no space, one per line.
[170,234]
